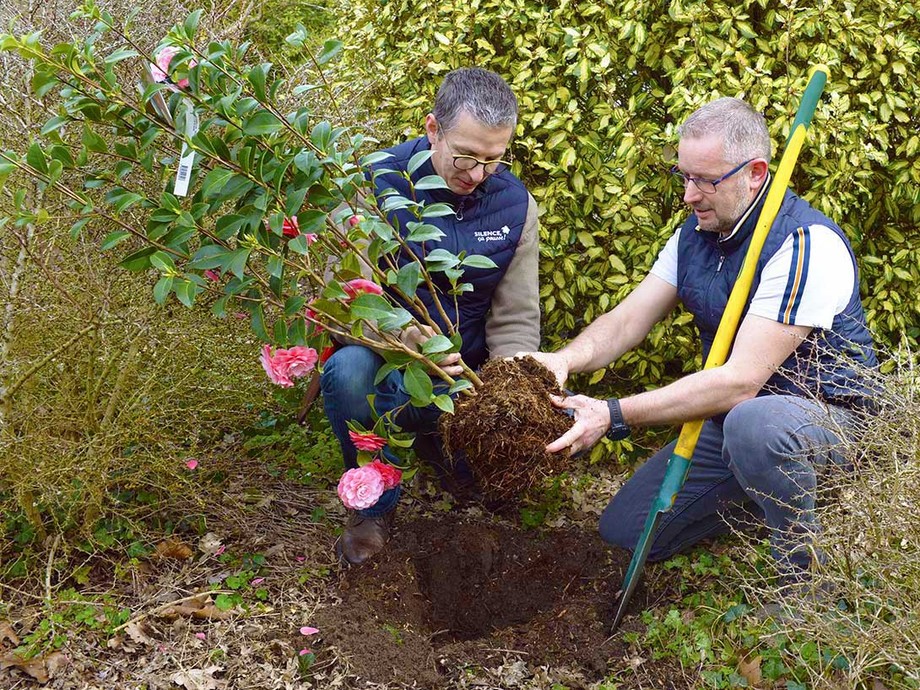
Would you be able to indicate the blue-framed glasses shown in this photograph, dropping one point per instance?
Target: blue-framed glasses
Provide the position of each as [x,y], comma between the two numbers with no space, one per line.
[704,185]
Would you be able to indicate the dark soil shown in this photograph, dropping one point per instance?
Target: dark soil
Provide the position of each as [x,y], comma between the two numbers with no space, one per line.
[503,430]
[450,592]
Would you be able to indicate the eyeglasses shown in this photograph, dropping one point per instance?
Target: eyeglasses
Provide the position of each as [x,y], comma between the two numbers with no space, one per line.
[704,185]
[464,162]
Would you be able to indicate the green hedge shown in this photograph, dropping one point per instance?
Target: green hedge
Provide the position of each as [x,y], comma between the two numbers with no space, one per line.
[602,87]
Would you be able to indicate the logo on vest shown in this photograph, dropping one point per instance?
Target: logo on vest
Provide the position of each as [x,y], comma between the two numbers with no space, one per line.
[491,235]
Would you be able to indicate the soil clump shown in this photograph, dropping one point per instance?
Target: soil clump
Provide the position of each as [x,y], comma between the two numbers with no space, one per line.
[504,428]
[450,592]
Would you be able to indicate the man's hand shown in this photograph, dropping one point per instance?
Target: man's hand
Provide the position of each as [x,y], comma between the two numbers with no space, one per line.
[415,336]
[592,419]
[553,361]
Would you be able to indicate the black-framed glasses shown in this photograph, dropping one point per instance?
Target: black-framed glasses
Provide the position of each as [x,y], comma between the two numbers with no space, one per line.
[465,162]
[704,185]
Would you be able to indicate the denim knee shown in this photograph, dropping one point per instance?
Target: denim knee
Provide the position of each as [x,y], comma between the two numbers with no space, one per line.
[760,435]
[348,377]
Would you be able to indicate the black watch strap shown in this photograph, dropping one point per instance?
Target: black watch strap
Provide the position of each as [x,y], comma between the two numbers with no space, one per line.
[618,428]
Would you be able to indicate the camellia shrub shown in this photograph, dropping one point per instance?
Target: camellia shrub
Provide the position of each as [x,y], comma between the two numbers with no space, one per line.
[180,157]
[602,87]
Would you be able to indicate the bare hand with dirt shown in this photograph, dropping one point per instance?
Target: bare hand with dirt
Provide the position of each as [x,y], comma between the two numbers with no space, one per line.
[592,419]
[415,337]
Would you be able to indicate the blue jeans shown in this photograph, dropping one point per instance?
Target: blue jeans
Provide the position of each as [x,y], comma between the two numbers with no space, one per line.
[347,380]
[767,455]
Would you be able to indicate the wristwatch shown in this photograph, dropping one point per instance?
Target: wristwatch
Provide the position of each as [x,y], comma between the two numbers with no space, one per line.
[618,428]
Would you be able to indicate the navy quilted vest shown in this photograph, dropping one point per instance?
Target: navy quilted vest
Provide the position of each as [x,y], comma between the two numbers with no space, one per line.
[488,222]
[826,364]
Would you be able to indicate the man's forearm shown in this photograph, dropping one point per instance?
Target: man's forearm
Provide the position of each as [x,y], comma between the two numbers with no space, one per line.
[695,396]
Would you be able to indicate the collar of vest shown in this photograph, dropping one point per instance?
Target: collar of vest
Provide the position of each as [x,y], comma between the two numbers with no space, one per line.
[745,225]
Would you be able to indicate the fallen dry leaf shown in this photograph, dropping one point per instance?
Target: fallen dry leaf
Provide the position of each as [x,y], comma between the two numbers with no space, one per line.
[54,662]
[173,549]
[751,672]
[7,633]
[138,633]
[199,678]
[878,685]
[210,544]
[201,608]
[42,669]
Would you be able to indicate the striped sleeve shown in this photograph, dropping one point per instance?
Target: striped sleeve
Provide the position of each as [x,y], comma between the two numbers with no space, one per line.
[807,281]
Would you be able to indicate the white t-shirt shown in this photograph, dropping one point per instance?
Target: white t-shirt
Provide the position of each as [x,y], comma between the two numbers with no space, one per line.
[807,282]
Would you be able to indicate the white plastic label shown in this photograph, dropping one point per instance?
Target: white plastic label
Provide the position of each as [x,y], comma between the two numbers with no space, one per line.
[187,161]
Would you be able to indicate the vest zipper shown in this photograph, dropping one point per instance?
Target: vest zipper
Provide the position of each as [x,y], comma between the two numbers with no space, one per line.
[459,212]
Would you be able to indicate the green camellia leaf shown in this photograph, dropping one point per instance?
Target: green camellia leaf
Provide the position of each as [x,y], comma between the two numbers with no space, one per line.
[139,260]
[257,77]
[114,238]
[435,344]
[237,262]
[445,403]
[376,157]
[423,232]
[257,322]
[330,49]
[418,384]
[441,259]
[431,182]
[418,160]
[396,320]
[460,385]
[370,307]
[92,141]
[437,210]
[409,277]
[162,261]
[36,158]
[478,261]
[261,123]
[162,289]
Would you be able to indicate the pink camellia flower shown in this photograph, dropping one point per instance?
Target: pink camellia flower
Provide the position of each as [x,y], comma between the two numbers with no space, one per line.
[191,463]
[201,636]
[211,274]
[360,487]
[367,441]
[304,652]
[391,476]
[357,286]
[290,227]
[311,237]
[284,365]
[160,71]
[354,220]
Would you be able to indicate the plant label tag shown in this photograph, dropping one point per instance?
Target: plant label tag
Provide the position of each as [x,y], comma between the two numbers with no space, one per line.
[187,160]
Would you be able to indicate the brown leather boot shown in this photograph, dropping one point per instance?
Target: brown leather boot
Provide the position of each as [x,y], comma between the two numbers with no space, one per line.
[364,537]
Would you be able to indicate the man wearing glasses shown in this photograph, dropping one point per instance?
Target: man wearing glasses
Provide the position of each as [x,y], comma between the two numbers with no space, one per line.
[791,386]
[468,132]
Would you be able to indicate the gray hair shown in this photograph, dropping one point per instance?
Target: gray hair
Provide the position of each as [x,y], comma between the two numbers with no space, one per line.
[742,129]
[479,92]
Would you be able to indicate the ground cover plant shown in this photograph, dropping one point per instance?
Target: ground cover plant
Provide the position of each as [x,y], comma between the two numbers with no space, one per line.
[188,519]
